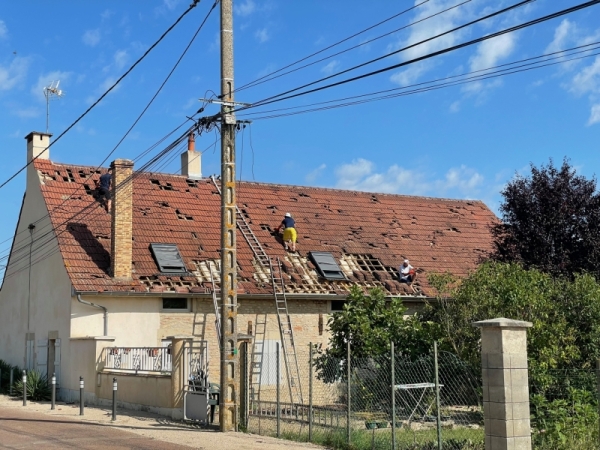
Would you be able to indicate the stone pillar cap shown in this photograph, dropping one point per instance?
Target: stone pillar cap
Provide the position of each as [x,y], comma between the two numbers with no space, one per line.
[180,336]
[502,323]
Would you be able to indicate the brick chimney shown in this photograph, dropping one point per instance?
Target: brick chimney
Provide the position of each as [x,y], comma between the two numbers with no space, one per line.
[122,217]
[191,161]
[37,142]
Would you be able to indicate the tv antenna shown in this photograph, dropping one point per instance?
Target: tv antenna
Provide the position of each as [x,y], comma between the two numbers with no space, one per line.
[50,91]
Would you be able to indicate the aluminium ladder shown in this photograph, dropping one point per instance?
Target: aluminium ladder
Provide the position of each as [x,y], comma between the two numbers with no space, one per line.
[216,295]
[287,333]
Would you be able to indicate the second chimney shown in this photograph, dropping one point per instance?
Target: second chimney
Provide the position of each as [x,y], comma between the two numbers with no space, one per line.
[191,160]
[122,219]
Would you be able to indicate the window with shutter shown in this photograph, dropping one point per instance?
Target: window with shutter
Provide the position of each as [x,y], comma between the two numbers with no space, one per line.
[327,266]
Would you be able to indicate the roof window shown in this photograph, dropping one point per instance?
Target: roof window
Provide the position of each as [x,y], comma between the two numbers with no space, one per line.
[168,258]
[327,266]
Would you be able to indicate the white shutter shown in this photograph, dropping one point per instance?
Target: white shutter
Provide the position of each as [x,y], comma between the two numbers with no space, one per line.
[41,356]
[269,362]
[29,354]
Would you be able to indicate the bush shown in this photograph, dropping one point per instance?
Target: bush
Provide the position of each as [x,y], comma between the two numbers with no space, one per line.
[5,368]
[37,387]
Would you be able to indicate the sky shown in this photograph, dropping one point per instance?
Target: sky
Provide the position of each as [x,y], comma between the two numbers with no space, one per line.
[464,141]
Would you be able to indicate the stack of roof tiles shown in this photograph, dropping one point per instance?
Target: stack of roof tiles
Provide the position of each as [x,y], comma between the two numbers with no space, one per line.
[370,234]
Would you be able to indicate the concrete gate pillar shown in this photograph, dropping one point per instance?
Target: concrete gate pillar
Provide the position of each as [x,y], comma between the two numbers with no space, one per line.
[505,384]
[178,372]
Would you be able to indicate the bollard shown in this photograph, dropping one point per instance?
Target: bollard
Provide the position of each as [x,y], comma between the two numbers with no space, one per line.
[114,412]
[53,391]
[24,388]
[11,381]
[81,396]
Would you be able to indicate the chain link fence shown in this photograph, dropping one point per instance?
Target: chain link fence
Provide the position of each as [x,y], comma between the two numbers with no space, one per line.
[389,401]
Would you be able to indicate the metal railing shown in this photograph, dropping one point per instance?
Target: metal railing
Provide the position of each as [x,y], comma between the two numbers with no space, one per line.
[138,359]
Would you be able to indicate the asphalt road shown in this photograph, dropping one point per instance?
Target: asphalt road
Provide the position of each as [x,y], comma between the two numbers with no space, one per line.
[21,429]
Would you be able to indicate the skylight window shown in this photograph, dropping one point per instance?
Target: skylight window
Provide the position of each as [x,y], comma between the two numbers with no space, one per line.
[327,266]
[168,258]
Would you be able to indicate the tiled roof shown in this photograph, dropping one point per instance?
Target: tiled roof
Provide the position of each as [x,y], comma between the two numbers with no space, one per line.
[369,234]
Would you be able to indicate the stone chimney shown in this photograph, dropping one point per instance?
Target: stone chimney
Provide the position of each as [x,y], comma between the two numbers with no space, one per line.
[122,218]
[191,161]
[37,142]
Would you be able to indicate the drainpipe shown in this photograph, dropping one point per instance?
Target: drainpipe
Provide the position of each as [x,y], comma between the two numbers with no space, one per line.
[94,305]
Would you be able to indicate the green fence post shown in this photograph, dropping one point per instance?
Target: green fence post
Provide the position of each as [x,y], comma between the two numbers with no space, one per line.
[393,398]
[310,393]
[437,396]
[348,411]
[278,412]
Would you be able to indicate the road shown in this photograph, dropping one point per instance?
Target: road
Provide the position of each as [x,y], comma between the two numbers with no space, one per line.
[23,429]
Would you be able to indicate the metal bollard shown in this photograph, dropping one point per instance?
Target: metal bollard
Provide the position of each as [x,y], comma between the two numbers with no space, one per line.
[114,412]
[81,396]
[24,388]
[11,381]
[53,391]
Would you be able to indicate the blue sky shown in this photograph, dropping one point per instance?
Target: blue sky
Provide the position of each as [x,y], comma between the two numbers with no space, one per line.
[464,141]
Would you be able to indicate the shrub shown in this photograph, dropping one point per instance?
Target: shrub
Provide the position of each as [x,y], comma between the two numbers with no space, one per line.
[5,368]
[37,387]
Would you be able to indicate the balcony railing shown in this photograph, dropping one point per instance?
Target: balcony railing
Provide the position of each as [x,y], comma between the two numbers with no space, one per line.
[138,359]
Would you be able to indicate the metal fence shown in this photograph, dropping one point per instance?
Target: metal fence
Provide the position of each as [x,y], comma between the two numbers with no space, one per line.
[389,402]
[138,359]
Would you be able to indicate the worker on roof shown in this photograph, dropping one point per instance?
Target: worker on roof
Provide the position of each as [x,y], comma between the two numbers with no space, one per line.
[104,188]
[407,273]
[289,232]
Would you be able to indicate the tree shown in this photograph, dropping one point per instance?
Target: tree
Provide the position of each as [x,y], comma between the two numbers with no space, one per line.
[370,322]
[550,221]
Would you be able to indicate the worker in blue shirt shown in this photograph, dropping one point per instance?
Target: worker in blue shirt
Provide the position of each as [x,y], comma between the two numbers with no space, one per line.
[104,188]
[289,232]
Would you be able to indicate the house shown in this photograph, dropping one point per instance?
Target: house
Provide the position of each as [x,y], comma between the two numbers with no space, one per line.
[84,290]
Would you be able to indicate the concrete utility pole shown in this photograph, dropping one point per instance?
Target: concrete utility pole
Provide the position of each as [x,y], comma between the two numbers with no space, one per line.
[228,401]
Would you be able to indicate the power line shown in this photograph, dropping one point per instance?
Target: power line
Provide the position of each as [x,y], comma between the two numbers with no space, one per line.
[279,97]
[483,73]
[258,82]
[192,6]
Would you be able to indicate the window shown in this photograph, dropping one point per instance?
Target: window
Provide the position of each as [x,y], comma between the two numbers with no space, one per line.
[177,304]
[168,258]
[337,305]
[327,266]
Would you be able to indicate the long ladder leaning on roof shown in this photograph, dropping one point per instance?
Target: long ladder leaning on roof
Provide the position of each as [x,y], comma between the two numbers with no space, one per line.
[287,333]
[261,319]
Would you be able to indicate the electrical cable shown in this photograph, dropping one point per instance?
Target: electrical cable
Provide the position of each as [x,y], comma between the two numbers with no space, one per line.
[260,79]
[257,82]
[192,6]
[278,97]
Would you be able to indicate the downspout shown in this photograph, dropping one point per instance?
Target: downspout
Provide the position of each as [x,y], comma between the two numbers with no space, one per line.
[94,305]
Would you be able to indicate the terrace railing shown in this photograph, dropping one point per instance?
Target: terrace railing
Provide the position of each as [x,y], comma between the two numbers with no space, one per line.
[138,359]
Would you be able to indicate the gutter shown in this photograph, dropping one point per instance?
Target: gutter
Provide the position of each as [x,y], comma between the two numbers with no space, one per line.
[94,305]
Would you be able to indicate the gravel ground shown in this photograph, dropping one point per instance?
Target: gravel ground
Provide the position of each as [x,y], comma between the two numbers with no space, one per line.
[155,427]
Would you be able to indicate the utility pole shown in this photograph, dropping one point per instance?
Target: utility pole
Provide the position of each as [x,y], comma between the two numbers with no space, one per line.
[230,374]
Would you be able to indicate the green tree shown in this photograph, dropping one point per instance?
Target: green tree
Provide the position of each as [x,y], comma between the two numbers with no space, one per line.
[370,321]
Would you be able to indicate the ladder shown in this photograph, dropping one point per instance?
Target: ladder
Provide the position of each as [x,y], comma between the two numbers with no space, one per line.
[287,333]
[257,357]
[216,295]
[244,226]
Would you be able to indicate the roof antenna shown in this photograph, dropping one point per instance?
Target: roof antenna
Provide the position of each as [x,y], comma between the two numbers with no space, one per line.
[49,91]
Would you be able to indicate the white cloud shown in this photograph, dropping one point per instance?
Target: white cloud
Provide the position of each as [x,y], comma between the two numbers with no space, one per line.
[562,34]
[262,35]
[106,14]
[14,74]
[45,79]
[121,57]
[455,107]
[330,67]
[361,175]
[587,80]
[594,115]
[91,37]
[314,174]
[171,4]
[245,8]
[26,113]
[490,52]
[3,30]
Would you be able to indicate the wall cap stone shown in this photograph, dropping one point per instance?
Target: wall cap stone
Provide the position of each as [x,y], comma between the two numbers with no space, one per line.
[502,323]
[93,338]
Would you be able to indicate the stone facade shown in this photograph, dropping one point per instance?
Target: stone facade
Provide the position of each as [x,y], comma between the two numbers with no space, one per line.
[122,219]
